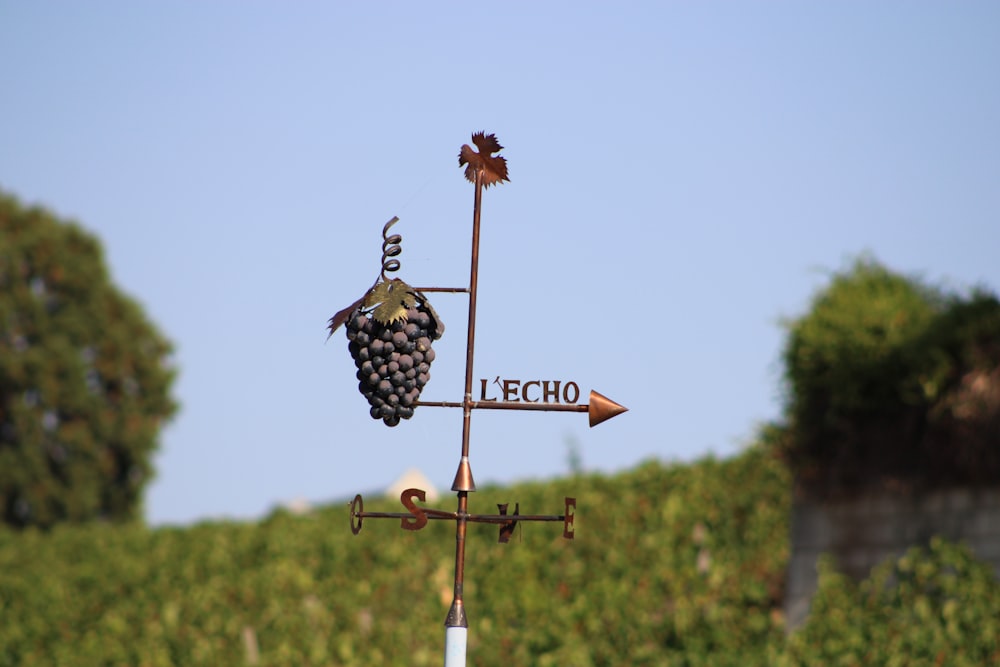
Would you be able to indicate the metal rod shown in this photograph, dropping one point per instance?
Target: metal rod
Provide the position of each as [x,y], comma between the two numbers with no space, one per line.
[453,290]
[498,405]
[456,623]
[471,518]
[473,290]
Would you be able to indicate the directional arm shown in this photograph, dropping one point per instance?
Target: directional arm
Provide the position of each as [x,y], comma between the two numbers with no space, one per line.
[600,408]
[417,517]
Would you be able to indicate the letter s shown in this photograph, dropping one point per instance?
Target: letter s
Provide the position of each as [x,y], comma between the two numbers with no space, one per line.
[419,519]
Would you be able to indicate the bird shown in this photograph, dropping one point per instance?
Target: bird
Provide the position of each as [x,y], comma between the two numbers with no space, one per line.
[494,167]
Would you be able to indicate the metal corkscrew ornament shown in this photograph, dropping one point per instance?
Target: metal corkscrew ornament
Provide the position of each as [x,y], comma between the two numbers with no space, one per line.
[390,330]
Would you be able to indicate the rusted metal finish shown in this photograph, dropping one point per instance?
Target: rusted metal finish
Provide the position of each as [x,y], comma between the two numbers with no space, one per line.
[544,391]
[473,293]
[463,477]
[599,409]
[452,290]
[569,526]
[503,519]
[456,615]
[483,168]
[602,408]
[503,405]
[391,248]
[416,517]
[461,526]
[507,528]
[357,512]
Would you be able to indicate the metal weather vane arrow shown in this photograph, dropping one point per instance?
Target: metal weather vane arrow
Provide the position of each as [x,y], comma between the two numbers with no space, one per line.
[599,409]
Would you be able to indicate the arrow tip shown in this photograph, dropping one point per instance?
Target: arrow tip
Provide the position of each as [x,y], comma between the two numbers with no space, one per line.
[601,408]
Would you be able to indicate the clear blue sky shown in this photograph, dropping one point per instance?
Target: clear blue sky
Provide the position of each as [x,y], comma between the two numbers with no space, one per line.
[683,176]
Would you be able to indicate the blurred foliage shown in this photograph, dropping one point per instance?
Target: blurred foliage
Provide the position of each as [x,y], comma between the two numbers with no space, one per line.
[891,380]
[934,606]
[671,565]
[84,378]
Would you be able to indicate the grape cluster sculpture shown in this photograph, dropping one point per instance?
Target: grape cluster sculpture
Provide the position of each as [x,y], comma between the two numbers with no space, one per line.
[393,359]
[390,331]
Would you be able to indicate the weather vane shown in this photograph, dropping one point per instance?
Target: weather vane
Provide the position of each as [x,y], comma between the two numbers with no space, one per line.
[390,330]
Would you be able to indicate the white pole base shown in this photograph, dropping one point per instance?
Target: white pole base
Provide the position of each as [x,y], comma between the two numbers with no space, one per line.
[454,646]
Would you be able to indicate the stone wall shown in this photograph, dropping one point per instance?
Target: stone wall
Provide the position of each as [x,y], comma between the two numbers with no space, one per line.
[862,532]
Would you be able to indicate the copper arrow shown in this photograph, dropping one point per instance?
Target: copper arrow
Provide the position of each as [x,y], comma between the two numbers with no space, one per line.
[600,408]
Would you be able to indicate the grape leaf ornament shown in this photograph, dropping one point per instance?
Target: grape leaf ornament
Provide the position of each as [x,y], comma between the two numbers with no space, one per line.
[391,299]
[494,167]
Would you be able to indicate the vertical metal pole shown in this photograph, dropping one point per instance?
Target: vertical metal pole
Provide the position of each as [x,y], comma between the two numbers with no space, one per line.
[456,624]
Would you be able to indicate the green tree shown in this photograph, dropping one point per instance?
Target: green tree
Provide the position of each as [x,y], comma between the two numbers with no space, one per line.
[890,378]
[85,378]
